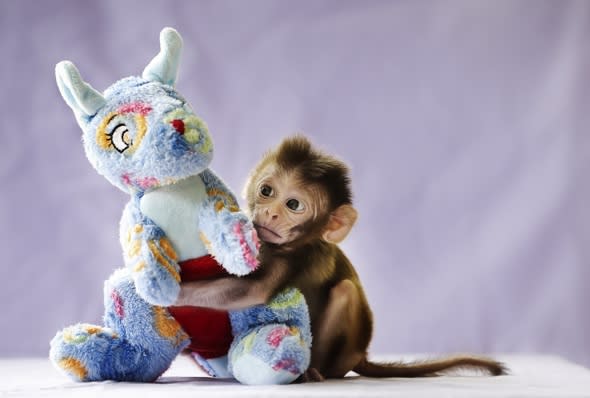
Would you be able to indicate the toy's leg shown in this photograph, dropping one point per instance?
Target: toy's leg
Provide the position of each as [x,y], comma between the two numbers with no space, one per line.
[272,343]
[137,343]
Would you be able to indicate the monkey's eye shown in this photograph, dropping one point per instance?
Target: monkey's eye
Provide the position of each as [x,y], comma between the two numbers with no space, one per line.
[295,205]
[266,190]
[120,137]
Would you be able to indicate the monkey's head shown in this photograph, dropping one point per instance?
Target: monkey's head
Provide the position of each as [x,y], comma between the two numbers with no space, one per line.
[298,194]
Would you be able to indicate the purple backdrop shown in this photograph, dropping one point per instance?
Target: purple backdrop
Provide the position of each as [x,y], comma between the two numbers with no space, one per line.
[465,124]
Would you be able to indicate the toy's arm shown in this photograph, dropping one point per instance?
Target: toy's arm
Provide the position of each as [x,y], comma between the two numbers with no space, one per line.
[150,257]
[227,233]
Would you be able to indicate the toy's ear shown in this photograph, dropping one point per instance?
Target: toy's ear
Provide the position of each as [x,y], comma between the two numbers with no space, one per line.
[80,96]
[341,221]
[164,67]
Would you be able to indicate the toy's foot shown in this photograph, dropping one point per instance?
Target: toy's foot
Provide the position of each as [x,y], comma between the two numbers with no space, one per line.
[87,352]
[271,354]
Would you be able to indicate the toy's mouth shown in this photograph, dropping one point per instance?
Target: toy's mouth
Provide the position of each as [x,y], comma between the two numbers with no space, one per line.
[267,235]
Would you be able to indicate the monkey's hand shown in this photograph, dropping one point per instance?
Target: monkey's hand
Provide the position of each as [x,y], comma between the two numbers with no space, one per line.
[152,261]
[229,236]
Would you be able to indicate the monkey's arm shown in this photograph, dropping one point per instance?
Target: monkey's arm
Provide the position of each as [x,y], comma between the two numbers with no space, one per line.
[235,293]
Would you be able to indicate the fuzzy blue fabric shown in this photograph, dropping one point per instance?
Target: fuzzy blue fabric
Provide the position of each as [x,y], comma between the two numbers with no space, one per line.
[272,334]
[144,138]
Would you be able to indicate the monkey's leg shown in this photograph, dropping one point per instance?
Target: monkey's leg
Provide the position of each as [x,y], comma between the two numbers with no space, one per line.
[137,343]
[339,343]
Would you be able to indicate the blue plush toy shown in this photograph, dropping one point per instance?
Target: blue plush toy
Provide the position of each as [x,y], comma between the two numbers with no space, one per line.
[182,223]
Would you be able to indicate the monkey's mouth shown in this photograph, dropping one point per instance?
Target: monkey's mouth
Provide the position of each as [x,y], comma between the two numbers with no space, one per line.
[267,235]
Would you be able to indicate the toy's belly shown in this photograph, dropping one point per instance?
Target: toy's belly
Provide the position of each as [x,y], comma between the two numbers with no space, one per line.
[175,209]
[210,330]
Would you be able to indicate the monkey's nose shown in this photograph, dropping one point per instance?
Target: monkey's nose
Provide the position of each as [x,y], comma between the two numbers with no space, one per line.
[178,126]
[271,214]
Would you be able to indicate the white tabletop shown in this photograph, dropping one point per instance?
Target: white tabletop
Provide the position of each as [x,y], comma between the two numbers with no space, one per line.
[531,376]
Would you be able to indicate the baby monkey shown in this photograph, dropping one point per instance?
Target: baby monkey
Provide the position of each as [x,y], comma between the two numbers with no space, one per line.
[300,201]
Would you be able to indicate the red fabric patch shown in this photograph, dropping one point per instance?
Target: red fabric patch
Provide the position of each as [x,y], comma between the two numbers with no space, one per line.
[210,330]
[205,267]
[178,125]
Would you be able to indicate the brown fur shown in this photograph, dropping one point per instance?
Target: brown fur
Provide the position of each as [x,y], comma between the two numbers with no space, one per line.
[341,319]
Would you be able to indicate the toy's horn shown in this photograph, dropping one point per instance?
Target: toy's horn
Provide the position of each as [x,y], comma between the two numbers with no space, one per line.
[80,96]
[164,66]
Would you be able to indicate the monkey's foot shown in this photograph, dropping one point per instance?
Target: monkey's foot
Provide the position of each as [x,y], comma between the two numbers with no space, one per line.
[311,375]
[87,352]
[271,354]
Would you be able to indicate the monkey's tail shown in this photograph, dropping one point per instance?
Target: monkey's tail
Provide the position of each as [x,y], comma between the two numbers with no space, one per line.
[429,367]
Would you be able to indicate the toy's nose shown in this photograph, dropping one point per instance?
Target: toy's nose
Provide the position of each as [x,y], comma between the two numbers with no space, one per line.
[178,126]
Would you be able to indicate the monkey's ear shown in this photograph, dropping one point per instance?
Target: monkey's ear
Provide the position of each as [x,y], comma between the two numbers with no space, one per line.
[341,221]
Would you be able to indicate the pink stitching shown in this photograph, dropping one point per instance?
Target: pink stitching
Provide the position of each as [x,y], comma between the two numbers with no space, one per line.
[147,182]
[277,335]
[248,255]
[118,303]
[288,364]
[126,179]
[135,107]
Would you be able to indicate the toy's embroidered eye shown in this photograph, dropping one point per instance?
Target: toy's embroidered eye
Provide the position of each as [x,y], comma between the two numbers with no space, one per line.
[295,205]
[120,137]
[266,190]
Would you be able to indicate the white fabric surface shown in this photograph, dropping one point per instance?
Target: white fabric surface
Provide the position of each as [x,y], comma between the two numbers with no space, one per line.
[531,376]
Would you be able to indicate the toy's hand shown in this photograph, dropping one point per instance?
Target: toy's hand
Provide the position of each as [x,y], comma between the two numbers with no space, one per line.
[229,236]
[152,260]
